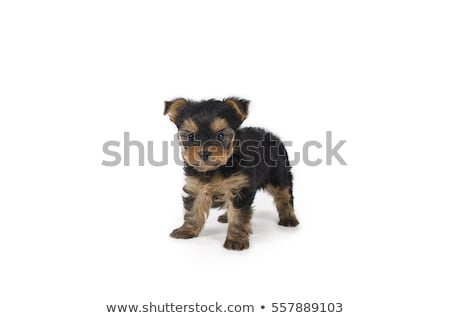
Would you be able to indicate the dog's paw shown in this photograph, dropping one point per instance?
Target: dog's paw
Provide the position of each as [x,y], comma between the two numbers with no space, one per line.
[183,233]
[237,245]
[288,221]
[223,218]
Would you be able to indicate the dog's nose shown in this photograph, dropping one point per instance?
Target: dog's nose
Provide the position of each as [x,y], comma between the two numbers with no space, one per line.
[204,155]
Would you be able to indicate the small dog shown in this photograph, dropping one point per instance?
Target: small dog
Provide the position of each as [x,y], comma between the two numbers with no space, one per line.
[225,166]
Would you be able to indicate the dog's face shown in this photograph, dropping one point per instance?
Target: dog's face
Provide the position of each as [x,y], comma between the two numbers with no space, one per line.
[206,129]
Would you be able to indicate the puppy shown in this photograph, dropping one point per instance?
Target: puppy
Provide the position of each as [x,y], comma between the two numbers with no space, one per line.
[225,165]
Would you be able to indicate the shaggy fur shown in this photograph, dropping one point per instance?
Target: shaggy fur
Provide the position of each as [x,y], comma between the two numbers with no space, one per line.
[225,165]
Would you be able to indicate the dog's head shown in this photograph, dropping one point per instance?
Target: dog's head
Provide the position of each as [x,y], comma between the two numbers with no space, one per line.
[206,129]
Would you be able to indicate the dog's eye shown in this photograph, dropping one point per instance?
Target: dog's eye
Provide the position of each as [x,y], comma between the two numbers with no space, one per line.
[190,136]
[220,137]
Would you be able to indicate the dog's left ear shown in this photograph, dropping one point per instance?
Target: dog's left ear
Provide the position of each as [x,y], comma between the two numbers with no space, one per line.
[173,108]
[239,105]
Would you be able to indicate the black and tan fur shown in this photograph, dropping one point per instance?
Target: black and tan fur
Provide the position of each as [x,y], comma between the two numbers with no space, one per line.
[225,165]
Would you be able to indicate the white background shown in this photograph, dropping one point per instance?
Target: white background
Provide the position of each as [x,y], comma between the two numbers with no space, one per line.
[75,235]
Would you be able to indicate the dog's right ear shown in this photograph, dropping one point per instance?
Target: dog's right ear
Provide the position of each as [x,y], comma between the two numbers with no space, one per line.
[173,108]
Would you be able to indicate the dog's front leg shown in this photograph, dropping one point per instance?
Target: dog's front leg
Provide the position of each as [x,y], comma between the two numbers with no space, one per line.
[239,213]
[196,212]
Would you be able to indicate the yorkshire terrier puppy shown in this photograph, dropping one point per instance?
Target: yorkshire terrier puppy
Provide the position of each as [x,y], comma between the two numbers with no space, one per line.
[225,165]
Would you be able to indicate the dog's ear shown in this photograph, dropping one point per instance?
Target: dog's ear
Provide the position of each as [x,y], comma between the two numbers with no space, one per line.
[173,108]
[239,105]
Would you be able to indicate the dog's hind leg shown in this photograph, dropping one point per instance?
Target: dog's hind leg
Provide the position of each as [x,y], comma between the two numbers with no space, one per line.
[223,218]
[284,201]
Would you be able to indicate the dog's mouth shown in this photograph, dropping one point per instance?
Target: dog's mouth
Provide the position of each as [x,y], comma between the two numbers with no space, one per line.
[203,166]
[206,159]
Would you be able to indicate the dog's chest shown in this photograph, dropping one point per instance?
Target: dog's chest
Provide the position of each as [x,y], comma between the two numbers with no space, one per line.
[217,188]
